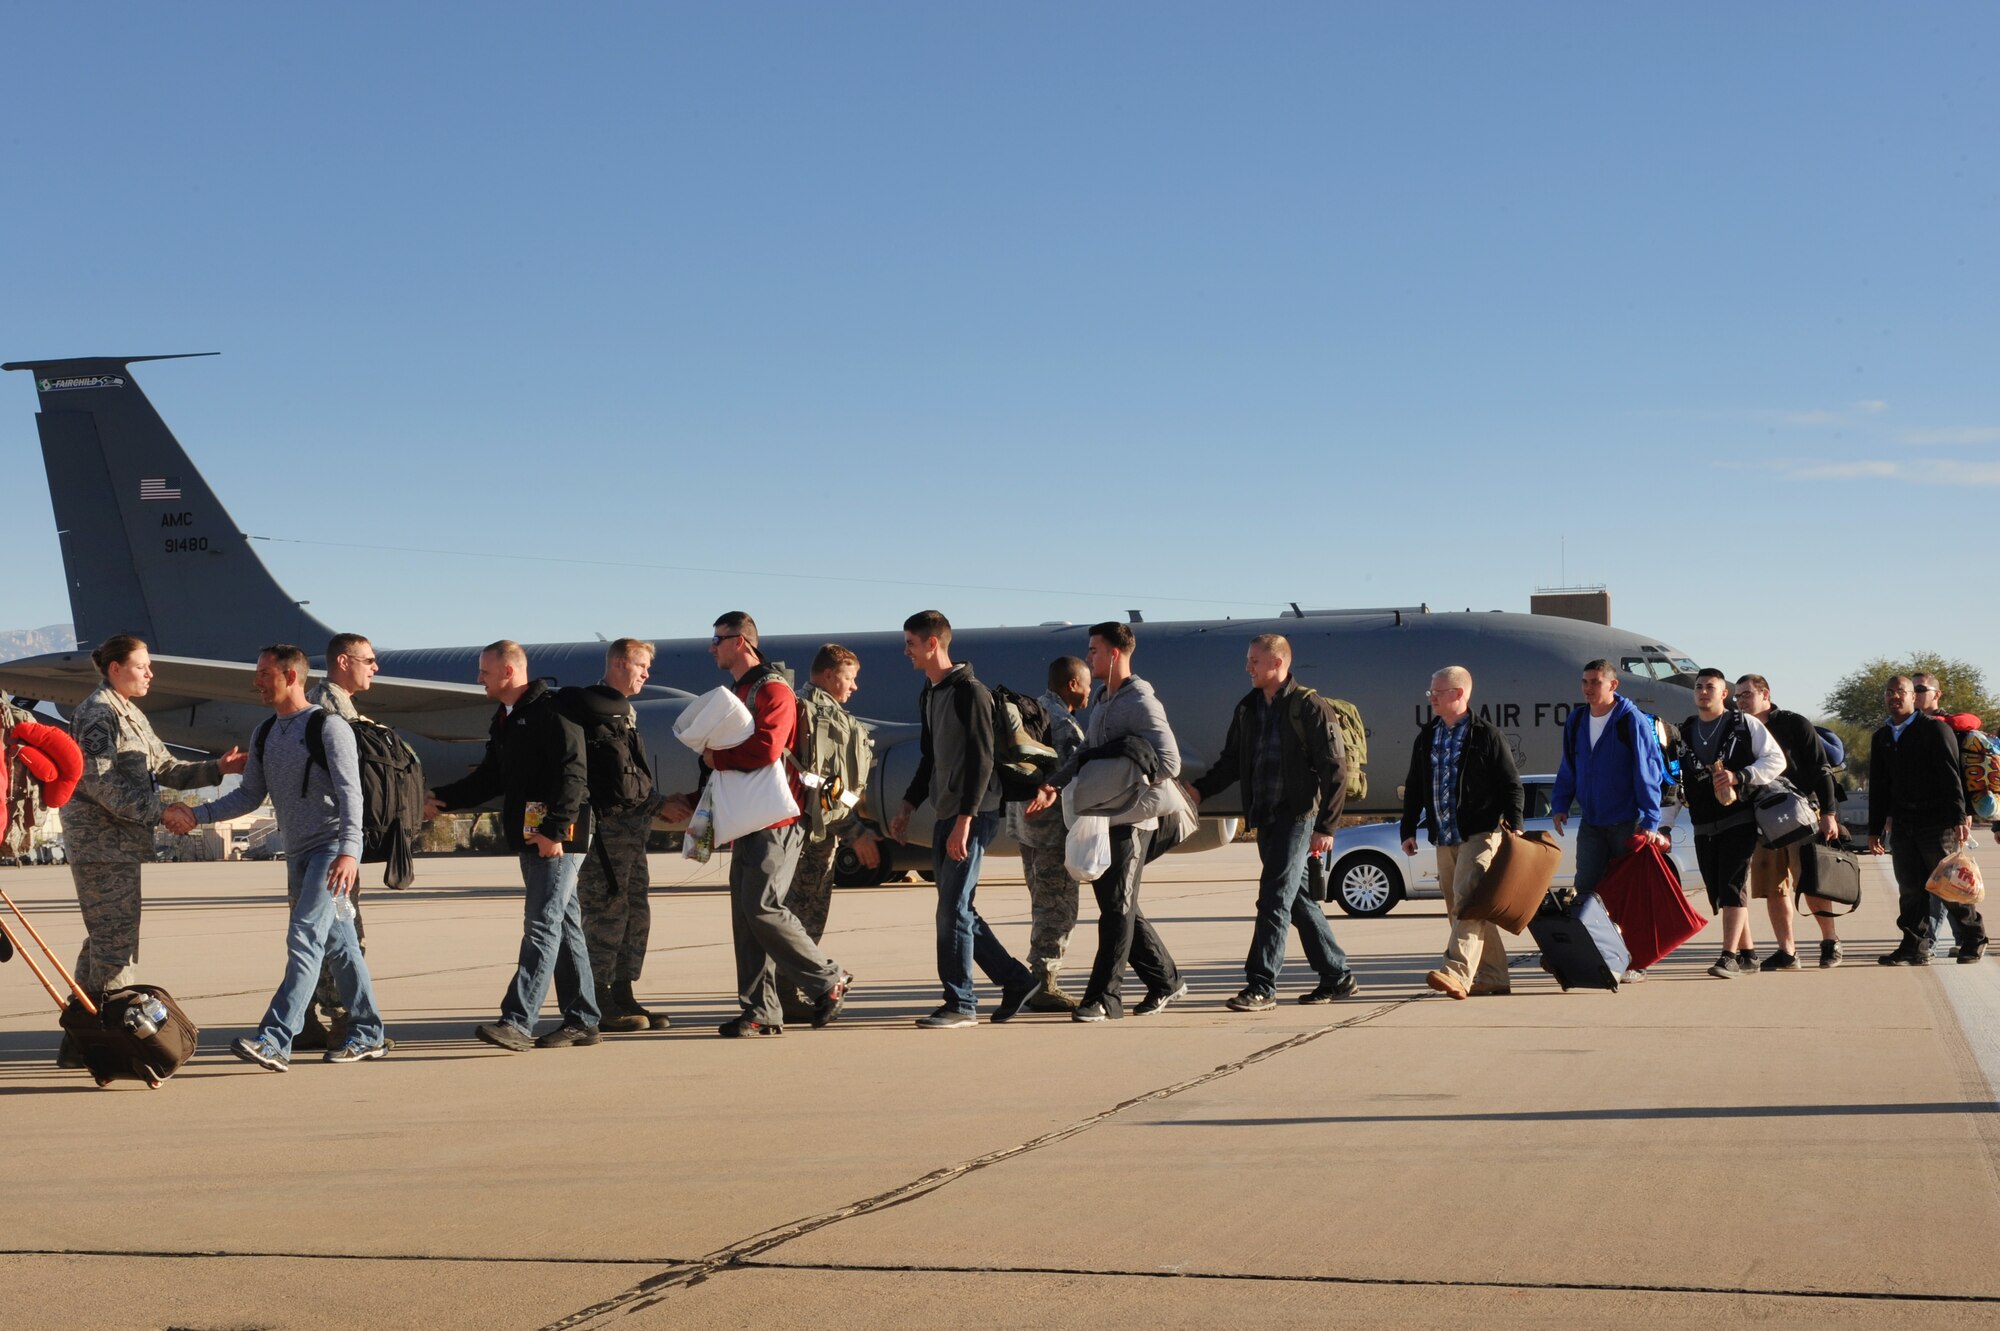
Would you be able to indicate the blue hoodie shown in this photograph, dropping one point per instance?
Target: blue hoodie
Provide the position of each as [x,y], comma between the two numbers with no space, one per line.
[1618,781]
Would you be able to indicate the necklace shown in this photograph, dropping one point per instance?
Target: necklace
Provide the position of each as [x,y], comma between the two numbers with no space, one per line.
[1705,731]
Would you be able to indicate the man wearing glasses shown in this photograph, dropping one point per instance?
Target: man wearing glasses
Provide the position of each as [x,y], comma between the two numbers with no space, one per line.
[1464,787]
[1916,803]
[1805,767]
[769,939]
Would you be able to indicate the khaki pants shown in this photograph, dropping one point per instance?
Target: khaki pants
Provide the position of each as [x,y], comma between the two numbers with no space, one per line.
[1477,955]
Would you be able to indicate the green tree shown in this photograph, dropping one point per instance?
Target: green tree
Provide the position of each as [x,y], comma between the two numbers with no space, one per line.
[1857,707]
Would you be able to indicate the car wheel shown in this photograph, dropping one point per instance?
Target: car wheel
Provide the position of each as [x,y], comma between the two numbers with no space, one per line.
[1367,884]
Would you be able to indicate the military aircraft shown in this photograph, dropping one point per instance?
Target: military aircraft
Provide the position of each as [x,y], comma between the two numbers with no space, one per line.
[149,549]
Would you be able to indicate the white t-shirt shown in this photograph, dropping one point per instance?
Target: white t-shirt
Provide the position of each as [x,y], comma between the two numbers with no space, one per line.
[1597,724]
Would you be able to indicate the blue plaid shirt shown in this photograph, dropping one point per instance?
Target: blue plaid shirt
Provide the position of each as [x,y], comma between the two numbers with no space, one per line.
[1447,744]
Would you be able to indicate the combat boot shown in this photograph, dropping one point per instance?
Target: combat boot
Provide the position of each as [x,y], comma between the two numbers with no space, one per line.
[1049,995]
[616,1010]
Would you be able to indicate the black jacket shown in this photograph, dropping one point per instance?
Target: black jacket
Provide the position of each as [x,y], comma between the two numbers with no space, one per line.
[1805,758]
[533,753]
[955,763]
[1489,785]
[1313,775]
[1916,780]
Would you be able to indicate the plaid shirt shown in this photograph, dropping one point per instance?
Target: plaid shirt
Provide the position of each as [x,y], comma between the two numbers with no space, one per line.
[1267,770]
[1447,744]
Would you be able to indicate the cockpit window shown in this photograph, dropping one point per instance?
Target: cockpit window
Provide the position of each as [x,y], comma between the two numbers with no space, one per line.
[1675,670]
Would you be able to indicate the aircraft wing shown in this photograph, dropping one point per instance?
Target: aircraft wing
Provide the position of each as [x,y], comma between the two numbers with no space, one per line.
[423,707]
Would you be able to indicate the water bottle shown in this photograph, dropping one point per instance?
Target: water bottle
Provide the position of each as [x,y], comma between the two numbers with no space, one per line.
[145,1018]
[343,907]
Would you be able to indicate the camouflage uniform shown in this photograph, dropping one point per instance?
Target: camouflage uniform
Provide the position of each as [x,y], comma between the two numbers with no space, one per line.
[842,753]
[1052,893]
[612,887]
[326,1006]
[108,828]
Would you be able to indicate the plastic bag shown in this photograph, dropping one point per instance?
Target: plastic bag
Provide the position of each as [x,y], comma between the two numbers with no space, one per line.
[1956,879]
[746,802]
[1087,852]
[698,842]
[716,720]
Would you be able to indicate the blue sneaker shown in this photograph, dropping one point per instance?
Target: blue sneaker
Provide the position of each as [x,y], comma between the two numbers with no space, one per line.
[356,1050]
[261,1052]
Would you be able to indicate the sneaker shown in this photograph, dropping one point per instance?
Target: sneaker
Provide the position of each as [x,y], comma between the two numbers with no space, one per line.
[948,1018]
[261,1052]
[1968,955]
[1746,961]
[1012,1001]
[1779,961]
[829,1007]
[1830,953]
[1725,967]
[1328,990]
[1251,1001]
[505,1035]
[1631,977]
[1903,957]
[1091,1011]
[1157,1000]
[742,1026]
[1444,982]
[567,1034]
[355,1050]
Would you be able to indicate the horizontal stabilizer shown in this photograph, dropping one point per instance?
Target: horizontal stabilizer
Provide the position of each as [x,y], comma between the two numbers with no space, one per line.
[422,707]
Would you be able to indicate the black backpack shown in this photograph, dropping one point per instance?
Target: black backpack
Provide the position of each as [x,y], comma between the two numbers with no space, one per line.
[619,778]
[392,791]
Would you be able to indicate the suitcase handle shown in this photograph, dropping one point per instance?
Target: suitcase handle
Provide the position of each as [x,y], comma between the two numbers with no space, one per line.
[47,951]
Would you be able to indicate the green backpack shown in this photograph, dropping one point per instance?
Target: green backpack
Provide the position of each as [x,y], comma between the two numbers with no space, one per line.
[1345,718]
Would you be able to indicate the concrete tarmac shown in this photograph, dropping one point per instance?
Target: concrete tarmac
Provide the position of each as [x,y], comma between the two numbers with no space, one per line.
[1818,1147]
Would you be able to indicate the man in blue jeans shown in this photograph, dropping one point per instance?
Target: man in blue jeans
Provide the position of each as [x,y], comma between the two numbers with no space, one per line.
[1287,754]
[1612,769]
[535,760]
[305,760]
[956,774]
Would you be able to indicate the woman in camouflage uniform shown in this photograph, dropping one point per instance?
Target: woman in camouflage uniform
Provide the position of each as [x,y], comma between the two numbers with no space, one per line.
[108,827]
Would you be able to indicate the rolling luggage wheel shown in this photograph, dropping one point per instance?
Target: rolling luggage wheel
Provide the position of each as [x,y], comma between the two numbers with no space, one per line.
[102,1082]
[153,1085]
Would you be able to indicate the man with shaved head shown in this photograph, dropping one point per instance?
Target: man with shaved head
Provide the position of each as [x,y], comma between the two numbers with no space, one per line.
[1285,750]
[535,762]
[1464,788]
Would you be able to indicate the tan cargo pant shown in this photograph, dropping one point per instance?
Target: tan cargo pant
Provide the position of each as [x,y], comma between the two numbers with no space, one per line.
[1477,954]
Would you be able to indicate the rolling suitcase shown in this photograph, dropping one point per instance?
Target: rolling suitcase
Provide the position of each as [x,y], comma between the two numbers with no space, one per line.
[136,1034]
[1580,945]
[1515,883]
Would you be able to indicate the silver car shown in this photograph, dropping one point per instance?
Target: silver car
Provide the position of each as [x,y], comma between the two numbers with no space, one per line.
[1370,873]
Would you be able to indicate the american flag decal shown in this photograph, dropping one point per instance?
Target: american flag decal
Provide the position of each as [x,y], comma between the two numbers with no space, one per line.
[159,487]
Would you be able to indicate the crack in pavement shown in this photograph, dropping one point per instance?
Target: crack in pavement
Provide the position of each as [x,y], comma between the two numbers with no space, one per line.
[655,1288]
[1417,1282]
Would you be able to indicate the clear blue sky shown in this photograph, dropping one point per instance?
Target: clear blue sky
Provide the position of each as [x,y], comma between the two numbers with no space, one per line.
[1041,311]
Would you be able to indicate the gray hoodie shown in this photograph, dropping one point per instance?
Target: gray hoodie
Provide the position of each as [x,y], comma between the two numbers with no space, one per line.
[1134,710]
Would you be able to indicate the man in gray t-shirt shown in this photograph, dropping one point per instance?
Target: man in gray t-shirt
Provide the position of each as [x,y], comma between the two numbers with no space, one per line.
[304,759]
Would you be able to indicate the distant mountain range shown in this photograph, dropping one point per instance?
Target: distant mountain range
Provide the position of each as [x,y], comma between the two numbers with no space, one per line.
[16,643]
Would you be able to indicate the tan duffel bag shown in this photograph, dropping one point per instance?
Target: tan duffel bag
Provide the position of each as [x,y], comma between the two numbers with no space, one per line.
[1516,881]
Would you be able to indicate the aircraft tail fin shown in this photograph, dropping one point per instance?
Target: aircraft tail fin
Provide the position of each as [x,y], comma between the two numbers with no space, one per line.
[147,547]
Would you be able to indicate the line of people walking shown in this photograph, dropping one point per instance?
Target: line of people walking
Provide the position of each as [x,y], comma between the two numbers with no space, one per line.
[579,801]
